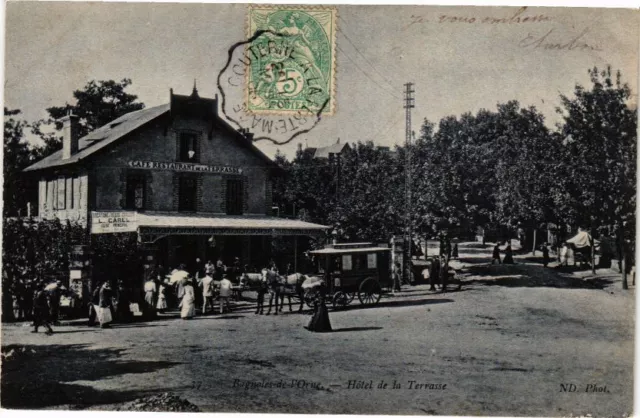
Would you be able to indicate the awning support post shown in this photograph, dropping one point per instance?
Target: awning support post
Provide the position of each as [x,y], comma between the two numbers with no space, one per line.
[295,253]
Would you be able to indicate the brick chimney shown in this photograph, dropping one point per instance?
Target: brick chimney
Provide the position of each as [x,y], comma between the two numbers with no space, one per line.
[69,135]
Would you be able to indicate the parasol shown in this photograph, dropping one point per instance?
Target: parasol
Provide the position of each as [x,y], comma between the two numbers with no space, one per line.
[177,276]
[51,286]
[583,239]
[312,282]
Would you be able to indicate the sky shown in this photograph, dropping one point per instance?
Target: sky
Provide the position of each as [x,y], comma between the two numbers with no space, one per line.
[461,59]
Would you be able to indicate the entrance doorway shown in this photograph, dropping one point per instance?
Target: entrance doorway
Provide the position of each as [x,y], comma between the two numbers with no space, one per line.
[186,249]
[226,247]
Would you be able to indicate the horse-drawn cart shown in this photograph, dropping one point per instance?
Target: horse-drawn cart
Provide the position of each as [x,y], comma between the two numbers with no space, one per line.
[361,269]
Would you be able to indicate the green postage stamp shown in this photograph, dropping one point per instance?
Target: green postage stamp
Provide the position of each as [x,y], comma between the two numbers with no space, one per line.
[291,59]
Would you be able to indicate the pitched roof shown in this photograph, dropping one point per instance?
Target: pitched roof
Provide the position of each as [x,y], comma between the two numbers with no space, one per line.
[324,152]
[115,130]
[102,137]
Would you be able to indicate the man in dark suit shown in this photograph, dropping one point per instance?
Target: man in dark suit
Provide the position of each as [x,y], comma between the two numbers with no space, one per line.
[41,310]
[496,254]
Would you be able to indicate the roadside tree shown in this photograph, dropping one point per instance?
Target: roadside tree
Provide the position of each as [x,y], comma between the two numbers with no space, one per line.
[599,133]
[17,155]
[97,103]
[370,205]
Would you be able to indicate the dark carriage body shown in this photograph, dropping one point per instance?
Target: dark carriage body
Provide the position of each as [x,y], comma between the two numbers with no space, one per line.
[361,269]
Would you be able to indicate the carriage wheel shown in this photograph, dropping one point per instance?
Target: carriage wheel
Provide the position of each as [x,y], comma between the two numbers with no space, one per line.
[340,300]
[369,291]
[310,297]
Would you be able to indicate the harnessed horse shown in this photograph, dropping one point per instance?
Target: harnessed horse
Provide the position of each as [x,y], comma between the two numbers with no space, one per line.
[291,285]
[257,282]
[274,286]
[277,286]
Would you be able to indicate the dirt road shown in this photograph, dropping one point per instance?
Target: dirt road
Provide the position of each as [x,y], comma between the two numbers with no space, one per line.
[516,340]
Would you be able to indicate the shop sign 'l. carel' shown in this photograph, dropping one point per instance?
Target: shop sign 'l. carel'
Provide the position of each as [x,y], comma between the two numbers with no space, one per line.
[112,222]
[189,167]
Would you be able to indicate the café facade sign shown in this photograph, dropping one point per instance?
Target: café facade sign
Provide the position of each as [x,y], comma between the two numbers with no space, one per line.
[113,222]
[185,167]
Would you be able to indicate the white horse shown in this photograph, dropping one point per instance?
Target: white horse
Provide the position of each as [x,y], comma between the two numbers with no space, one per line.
[278,287]
[253,281]
[291,285]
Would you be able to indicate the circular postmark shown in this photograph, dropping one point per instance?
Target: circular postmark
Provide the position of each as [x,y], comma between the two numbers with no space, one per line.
[279,83]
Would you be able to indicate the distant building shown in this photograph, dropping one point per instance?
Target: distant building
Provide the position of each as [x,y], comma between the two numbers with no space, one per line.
[329,151]
[388,151]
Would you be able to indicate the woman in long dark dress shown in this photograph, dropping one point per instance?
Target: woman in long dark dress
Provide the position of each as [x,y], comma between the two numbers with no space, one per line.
[320,320]
[444,274]
[123,312]
[545,254]
[508,255]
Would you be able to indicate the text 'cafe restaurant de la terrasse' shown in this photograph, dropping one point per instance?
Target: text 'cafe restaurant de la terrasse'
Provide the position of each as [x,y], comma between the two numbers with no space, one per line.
[179,176]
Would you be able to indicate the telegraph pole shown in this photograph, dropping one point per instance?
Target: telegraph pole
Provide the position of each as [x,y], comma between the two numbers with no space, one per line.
[339,163]
[409,103]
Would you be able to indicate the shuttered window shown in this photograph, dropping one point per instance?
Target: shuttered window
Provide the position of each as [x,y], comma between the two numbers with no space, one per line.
[189,147]
[61,193]
[187,194]
[136,192]
[234,197]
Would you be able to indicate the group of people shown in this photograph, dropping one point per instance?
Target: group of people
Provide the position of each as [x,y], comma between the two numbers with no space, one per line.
[437,274]
[397,278]
[161,292]
[105,303]
[45,305]
[188,289]
[23,299]
[447,250]
[508,254]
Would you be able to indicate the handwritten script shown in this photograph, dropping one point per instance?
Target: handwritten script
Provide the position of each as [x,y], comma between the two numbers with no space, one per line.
[552,41]
[519,17]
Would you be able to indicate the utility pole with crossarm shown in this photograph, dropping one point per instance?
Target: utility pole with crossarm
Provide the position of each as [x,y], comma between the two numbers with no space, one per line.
[409,103]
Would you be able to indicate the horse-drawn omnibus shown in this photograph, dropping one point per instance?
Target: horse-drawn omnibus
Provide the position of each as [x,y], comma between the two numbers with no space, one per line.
[362,269]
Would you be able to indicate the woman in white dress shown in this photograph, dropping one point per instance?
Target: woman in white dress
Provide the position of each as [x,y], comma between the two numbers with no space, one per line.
[104,311]
[150,290]
[188,303]
[162,298]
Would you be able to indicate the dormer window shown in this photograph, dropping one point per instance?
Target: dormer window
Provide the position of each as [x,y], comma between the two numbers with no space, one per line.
[188,147]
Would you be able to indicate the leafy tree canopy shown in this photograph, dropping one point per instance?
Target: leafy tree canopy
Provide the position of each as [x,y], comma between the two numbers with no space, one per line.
[17,155]
[599,131]
[97,103]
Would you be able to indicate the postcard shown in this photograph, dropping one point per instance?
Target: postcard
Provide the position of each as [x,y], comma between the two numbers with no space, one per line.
[319,209]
